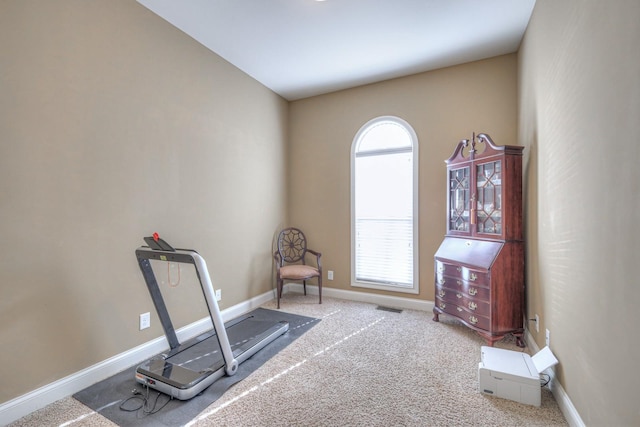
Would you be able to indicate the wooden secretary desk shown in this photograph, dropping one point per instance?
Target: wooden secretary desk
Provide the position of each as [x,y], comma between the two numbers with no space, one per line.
[479,267]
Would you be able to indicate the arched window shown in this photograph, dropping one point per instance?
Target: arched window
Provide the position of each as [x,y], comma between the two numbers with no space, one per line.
[384,206]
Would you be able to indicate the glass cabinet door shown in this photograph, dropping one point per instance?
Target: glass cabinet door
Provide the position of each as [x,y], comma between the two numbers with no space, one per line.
[489,198]
[459,199]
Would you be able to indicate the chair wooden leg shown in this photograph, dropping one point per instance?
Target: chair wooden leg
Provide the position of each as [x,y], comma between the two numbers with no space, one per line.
[304,286]
[279,292]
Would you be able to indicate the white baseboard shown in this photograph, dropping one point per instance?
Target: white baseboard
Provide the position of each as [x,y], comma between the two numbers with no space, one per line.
[39,398]
[564,402]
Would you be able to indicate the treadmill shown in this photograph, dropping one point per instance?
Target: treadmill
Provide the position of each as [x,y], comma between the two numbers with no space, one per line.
[190,367]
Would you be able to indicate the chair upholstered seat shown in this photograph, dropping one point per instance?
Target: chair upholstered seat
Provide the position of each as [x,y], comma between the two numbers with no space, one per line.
[298,272]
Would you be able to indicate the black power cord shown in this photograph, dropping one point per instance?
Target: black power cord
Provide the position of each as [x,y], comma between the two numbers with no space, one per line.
[143,402]
[546,382]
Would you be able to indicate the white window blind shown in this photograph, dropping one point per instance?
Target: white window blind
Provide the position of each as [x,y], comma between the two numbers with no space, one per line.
[384,251]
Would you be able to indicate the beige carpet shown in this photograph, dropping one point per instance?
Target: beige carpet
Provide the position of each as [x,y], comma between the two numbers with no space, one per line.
[359,366]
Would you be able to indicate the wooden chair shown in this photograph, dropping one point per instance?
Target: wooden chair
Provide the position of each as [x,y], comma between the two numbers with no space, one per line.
[291,263]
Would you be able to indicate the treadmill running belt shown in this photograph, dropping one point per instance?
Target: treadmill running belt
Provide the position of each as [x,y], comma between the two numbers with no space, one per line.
[206,354]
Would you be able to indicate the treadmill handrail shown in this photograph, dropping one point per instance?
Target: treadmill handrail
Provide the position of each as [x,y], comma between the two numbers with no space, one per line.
[192,257]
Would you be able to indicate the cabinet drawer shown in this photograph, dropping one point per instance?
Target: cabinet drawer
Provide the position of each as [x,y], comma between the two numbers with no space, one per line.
[480,293]
[456,282]
[473,305]
[446,269]
[472,318]
[453,286]
[449,295]
[473,276]
[476,320]
[448,307]
[452,271]
[457,296]
[458,299]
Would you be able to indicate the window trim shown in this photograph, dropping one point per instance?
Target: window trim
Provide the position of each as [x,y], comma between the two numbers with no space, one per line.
[415,289]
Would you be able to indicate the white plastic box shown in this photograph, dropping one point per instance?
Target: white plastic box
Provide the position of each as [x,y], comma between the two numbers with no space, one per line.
[513,375]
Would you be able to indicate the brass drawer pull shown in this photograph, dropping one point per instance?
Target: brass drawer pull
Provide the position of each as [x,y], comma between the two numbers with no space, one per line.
[442,305]
[441,293]
[473,277]
[458,308]
[440,268]
[459,282]
[459,295]
[473,291]
[441,281]
[473,319]
[473,305]
[459,269]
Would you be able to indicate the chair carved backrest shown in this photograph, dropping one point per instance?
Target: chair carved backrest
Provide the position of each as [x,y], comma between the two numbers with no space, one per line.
[292,245]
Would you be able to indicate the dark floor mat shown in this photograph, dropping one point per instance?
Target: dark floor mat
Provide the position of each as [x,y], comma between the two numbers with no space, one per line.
[107,396]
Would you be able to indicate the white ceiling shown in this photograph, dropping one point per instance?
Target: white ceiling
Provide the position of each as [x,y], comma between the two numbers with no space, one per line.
[301,48]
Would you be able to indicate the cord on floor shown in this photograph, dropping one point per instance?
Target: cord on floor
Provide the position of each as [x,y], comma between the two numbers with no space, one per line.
[143,402]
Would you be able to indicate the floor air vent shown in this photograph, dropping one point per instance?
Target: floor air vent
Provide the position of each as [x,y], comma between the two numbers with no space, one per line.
[393,310]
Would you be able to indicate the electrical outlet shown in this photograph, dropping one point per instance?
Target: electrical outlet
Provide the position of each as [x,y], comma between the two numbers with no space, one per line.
[145,321]
[537,323]
[218,294]
[547,338]
[330,275]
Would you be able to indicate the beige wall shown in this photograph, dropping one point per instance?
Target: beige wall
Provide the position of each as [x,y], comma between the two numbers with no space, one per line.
[114,125]
[580,115]
[442,106]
